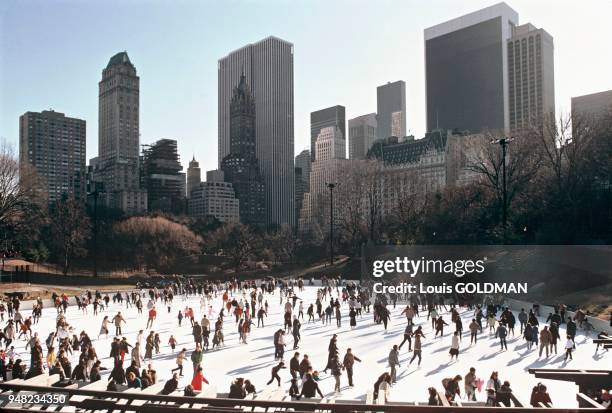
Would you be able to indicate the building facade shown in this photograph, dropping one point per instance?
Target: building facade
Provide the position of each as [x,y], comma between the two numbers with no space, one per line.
[466,71]
[54,145]
[391,109]
[268,68]
[302,181]
[161,176]
[194,176]
[426,165]
[215,198]
[334,116]
[531,75]
[362,134]
[119,136]
[303,161]
[241,166]
[592,109]
[329,160]
[300,190]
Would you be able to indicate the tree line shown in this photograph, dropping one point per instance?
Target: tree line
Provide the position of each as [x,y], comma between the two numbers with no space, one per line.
[558,191]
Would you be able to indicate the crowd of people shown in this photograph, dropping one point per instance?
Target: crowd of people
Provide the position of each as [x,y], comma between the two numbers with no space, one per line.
[72,354]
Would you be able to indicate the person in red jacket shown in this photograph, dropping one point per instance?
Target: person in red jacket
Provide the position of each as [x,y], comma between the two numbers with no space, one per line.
[197,380]
[152,315]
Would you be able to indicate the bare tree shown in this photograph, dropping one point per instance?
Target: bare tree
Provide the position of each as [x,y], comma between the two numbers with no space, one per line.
[236,241]
[283,243]
[155,241]
[371,187]
[408,215]
[523,161]
[22,199]
[350,205]
[70,228]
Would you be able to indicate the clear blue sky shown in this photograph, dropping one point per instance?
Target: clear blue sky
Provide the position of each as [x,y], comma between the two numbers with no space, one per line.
[52,54]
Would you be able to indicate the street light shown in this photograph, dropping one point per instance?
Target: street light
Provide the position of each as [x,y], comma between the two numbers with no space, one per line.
[331,186]
[503,142]
[97,190]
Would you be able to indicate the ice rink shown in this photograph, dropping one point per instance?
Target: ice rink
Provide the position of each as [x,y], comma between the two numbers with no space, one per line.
[368,341]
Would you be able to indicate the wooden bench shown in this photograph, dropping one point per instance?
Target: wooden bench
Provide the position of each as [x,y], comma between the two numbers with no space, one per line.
[209,392]
[42,380]
[381,398]
[590,401]
[443,399]
[369,398]
[100,385]
[153,389]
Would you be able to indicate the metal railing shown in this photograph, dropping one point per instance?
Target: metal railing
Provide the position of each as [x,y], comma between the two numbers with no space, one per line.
[157,403]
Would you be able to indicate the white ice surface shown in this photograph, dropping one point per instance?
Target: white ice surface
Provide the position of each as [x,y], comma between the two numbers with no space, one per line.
[368,340]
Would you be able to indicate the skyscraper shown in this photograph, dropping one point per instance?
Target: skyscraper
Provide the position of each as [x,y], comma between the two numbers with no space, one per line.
[330,157]
[194,176]
[54,145]
[593,109]
[302,161]
[119,136]
[162,177]
[362,134]
[391,109]
[302,180]
[215,198]
[334,116]
[300,190]
[268,68]
[241,167]
[531,75]
[466,70]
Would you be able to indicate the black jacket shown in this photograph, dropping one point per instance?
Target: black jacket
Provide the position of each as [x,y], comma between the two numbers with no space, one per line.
[170,386]
[236,392]
[310,389]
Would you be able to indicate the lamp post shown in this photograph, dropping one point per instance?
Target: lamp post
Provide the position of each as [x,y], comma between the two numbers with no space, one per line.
[95,193]
[503,142]
[331,187]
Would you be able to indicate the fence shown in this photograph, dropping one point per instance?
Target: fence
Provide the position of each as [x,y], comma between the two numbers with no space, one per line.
[143,402]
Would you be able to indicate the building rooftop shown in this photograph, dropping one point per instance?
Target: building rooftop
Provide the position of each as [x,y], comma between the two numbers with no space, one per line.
[395,151]
[471,19]
[256,43]
[120,58]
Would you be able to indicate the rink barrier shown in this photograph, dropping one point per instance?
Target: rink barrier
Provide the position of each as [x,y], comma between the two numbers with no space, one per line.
[49,303]
[598,324]
[140,402]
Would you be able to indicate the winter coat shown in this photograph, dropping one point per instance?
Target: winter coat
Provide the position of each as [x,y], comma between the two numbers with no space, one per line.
[501,332]
[236,392]
[170,386]
[545,337]
[197,381]
[294,364]
[336,368]
[474,327]
[310,389]
[571,328]
[393,358]
[196,357]
[349,360]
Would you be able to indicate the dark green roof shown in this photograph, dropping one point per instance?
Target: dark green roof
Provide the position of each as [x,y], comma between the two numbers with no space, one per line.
[119,59]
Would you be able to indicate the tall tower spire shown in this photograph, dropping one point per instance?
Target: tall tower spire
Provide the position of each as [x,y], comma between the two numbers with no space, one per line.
[241,166]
